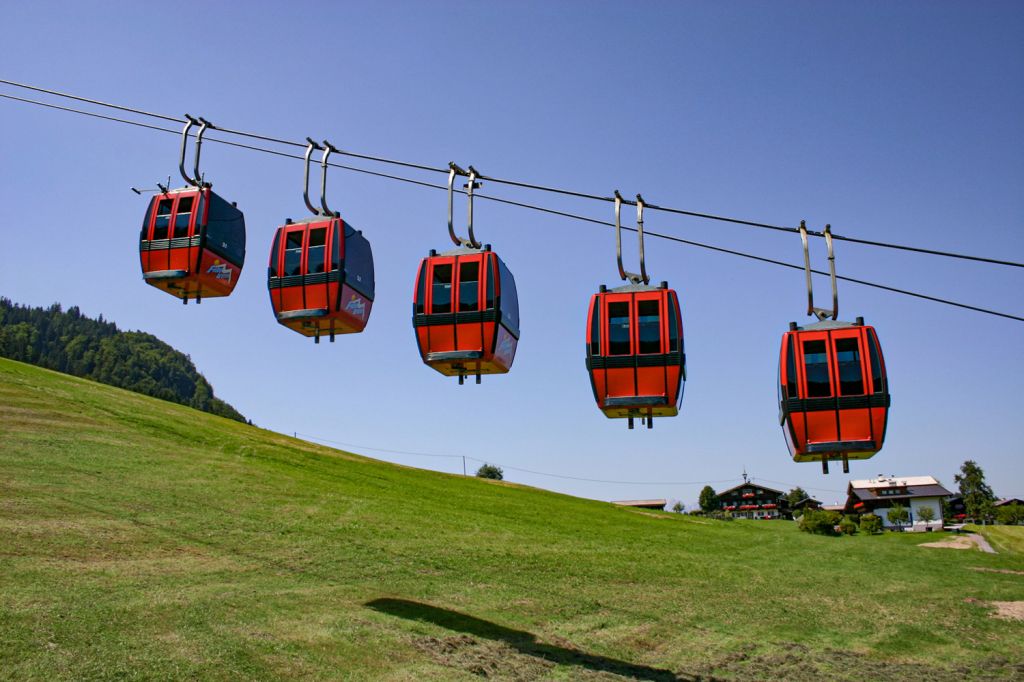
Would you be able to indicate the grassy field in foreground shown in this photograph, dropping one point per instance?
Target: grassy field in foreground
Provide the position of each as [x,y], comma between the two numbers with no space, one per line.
[141,539]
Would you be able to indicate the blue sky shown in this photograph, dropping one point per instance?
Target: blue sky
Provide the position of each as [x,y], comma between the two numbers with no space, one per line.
[898,122]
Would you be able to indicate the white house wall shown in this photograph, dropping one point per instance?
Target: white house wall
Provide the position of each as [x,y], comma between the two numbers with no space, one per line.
[916,504]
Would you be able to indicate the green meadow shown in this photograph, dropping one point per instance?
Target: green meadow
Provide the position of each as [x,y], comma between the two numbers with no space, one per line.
[140,539]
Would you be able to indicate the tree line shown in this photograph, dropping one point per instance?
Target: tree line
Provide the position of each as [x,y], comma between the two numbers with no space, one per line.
[69,342]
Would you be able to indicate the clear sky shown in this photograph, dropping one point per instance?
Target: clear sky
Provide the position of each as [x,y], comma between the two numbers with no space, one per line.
[900,122]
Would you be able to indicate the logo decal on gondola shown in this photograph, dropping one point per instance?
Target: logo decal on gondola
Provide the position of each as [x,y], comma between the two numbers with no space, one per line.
[220,270]
[356,306]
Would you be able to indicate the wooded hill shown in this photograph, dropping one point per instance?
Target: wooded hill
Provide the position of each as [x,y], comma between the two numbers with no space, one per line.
[69,342]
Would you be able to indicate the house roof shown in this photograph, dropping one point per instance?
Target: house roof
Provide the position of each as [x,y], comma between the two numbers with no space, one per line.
[886,481]
[807,500]
[749,484]
[646,504]
[912,491]
[1009,500]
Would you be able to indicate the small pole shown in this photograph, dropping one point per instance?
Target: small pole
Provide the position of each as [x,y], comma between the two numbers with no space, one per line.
[463,465]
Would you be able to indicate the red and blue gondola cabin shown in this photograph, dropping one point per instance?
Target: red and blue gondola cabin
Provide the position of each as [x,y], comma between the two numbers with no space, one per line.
[635,352]
[833,391]
[192,244]
[320,277]
[466,313]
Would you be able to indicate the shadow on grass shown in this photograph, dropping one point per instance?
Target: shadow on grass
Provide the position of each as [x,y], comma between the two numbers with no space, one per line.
[523,642]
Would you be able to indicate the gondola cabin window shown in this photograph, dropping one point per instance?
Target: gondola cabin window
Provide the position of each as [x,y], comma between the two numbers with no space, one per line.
[293,253]
[851,379]
[877,372]
[163,219]
[335,248]
[649,326]
[674,323]
[317,252]
[816,366]
[182,217]
[469,286]
[618,328]
[441,295]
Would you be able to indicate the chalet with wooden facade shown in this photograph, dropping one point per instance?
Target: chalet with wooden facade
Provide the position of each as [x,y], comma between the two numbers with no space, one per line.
[751,501]
[878,495]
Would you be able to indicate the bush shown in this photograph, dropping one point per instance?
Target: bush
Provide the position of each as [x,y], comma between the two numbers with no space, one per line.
[848,526]
[1010,514]
[820,522]
[870,524]
[490,471]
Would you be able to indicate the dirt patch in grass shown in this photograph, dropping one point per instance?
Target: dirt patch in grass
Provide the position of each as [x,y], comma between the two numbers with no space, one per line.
[983,569]
[794,662]
[958,542]
[489,659]
[1008,610]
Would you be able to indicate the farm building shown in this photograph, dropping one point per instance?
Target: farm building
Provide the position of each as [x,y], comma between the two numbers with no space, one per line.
[751,501]
[878,495]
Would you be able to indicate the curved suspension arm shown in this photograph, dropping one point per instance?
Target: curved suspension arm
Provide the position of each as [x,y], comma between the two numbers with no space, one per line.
[640,234]
[632,277]
[820,313]
[470,186]
[184,145]
[453,171]
[328,148]
[199,147]
[310,146]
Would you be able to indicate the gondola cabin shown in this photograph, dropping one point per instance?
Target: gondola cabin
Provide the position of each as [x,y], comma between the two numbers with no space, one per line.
[635,352]
[192,244]
[466,313]
[320,277]
[833,392]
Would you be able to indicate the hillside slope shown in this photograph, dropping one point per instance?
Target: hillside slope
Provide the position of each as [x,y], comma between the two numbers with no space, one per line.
[143,539]
[69,342]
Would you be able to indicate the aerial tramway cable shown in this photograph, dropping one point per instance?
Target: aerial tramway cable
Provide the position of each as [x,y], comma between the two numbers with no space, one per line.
[528,185]
[525,205]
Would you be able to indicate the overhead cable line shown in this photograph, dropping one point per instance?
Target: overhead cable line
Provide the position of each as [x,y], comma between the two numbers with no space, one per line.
[532,207]
[306,436]
[532,186]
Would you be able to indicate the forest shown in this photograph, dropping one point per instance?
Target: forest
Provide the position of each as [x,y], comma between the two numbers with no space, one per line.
[67,341]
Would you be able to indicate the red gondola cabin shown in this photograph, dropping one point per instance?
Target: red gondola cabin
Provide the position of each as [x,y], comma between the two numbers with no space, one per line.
[466,313]
[635,352]
[192,243]
[321,277]
[833,392]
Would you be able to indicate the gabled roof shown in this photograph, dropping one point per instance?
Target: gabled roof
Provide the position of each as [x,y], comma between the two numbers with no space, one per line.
[1009,500]
[912,491]
[646,504]
[894,481]
[749,484]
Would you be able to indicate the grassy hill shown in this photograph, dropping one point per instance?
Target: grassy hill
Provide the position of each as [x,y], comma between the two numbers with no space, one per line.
[143,539]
